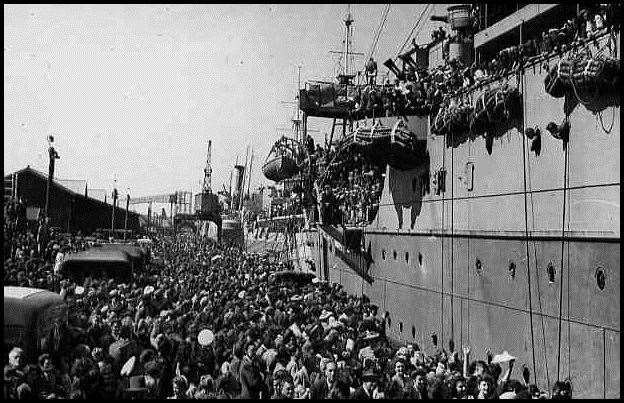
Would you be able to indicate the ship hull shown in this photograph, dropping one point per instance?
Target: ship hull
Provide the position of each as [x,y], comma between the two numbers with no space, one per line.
[506,211]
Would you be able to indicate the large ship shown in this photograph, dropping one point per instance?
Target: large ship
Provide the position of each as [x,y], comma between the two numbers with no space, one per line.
[492,212]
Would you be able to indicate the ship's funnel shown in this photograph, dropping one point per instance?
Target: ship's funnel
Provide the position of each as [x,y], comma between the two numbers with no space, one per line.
[394,68]
[458,16]
[239,171]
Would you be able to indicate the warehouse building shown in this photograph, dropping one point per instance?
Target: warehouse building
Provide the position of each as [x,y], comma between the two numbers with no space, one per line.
[71,208]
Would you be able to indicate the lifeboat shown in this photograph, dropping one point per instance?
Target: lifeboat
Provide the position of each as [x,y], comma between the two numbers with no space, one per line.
[395,146]
[280,168]
[282,161]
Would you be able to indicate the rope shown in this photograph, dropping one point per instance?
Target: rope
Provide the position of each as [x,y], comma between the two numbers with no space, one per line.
[539,295]
[413,28]
[379,30]
[608,131]
[568,274]
[565,178]
[526,228]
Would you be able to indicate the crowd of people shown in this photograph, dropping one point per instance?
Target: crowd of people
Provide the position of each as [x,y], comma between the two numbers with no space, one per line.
[351,191]
[202,321]
[421,91]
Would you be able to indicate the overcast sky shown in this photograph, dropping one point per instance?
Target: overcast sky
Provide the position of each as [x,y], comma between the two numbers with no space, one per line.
[136,91]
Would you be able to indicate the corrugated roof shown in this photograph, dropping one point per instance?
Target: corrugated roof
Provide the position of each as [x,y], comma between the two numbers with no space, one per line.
[75,185]
[98,194]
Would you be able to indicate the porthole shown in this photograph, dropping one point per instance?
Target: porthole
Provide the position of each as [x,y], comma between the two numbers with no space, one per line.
[479,266]
[413,332]
[406,257]
[420,258]
[394,254]
[401,327]
[601,277]
[383,254]
[512,270]
[550,269]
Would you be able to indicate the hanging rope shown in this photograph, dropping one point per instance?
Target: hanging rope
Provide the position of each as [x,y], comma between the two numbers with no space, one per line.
[539,295]
[413,28]
[565,178]
[526,223]
[568,275]
[384,16]
[608,131]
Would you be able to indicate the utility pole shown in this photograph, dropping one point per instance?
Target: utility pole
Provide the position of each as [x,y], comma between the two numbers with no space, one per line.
[249,176]
[53,157]
[241,197]
[114,206]
[127,207]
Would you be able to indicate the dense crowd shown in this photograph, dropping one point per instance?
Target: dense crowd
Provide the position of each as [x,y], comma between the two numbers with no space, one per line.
[202,322]
[421,91]
[351,191]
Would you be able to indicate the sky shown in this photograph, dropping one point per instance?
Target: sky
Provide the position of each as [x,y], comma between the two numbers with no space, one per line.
[133,93]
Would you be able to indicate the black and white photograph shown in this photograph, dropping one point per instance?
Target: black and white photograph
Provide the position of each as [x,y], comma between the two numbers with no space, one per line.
[312,201]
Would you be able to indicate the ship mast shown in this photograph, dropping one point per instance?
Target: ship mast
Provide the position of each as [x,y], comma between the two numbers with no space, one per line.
[348,21]
[345,77]
[297,121]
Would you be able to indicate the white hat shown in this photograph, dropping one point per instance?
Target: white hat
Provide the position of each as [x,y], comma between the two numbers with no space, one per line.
[205,337]
[504,357]
[508,395]
[127,368]
[325,314]
[79,290]
[295,329]
[148,290]
[315,280]
[241,294]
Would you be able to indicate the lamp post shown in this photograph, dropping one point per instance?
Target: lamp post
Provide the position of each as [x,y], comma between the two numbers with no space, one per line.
[53,157]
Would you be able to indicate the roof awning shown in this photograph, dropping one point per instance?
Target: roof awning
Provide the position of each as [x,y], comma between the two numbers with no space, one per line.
[513,21]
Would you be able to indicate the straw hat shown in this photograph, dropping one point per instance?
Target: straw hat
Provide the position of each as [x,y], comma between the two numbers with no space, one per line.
[504,357]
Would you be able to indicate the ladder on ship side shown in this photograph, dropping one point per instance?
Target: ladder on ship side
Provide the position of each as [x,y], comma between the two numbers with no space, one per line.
[10,187]
[339,123]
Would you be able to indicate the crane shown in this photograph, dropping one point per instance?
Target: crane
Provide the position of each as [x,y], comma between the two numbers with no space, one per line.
[207,186]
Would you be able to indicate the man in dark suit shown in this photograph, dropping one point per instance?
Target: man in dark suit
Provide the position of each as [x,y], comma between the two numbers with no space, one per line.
[369,383]
[251,380]
[323,386]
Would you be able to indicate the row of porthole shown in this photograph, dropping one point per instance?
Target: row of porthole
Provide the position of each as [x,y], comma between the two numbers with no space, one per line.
[550,268]
[394,254]
[389,322]
[600,280]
